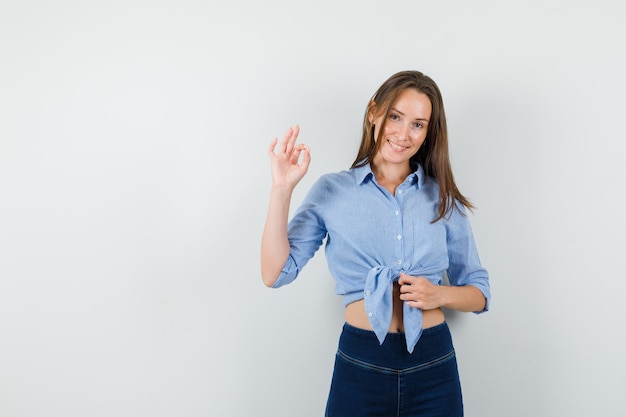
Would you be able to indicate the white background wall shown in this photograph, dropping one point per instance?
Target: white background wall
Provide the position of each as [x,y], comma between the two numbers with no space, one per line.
[134,182]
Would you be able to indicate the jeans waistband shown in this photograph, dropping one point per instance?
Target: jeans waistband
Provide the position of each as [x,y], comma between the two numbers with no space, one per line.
[362,345]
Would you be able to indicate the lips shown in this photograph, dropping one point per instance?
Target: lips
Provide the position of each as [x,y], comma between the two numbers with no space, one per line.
[396,147]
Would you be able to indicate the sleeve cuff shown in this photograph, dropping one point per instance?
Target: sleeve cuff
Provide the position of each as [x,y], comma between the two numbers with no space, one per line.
[288,273]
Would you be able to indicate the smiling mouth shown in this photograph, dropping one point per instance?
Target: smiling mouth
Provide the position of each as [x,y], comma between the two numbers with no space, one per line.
[396,147]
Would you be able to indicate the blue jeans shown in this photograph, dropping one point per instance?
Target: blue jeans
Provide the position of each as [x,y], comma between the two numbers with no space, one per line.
[386,380]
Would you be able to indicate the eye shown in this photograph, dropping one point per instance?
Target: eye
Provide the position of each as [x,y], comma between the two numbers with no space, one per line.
[394,116]
[418,125]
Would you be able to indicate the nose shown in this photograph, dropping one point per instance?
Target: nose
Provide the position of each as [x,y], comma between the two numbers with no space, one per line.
[403,131]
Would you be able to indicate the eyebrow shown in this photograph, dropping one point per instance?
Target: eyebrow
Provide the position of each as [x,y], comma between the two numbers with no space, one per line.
[402,114]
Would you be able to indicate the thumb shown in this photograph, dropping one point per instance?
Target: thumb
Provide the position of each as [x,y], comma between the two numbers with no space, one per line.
[306,158]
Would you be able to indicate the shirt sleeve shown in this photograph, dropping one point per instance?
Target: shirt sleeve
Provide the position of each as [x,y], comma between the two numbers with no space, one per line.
[306,232]
[464,264]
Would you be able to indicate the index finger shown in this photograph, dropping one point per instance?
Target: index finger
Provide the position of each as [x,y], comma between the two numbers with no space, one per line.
[404,279]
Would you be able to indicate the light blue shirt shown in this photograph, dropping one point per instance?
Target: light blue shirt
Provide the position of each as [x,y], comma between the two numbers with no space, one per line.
[372,236]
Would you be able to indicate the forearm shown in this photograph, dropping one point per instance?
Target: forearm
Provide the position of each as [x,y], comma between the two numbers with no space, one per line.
[462,298]
[274,242]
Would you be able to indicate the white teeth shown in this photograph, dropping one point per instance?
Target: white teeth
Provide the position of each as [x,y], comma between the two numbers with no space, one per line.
[398,147]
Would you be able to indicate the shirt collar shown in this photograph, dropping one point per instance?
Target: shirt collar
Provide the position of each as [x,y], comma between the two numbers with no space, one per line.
[365,172]
[362,173]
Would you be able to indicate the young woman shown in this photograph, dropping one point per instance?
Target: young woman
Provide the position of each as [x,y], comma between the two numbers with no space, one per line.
[394,223]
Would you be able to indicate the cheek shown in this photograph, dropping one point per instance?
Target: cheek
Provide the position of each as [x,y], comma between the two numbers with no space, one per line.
[418,138]
[389,129]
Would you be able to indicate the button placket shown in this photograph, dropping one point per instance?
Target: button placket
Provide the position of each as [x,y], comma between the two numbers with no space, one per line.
[399,247]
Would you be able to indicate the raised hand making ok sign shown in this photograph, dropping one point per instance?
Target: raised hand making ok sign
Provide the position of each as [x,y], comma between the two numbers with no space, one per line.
[287,166]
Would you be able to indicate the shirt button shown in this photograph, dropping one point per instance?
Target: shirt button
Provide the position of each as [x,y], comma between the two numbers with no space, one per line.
[397,212]
[369,314]
[399,261]
[368,292]
[399,237]
[399,191]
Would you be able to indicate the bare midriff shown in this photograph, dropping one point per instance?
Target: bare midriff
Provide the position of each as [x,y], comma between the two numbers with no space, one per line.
[356,315]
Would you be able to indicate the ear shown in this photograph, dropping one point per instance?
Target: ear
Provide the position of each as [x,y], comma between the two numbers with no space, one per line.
[371,111]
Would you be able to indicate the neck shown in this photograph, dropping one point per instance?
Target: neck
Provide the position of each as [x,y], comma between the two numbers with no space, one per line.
[390,175]
[395,173]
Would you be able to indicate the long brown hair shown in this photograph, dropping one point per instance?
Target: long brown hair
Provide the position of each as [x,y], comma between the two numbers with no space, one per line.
[433,154]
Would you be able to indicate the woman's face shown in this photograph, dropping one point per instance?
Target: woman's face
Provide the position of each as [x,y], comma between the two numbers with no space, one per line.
[405,127]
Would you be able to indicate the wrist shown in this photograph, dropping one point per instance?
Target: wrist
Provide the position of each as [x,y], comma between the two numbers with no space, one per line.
[445,299]
[281,191]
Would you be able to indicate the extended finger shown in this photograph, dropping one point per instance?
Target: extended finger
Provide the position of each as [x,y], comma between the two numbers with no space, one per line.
[272,146]
[291,143]
[283,145]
